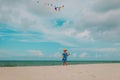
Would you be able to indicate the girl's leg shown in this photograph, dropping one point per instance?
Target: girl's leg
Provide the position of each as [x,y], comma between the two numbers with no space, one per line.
[66,63]
[63,63]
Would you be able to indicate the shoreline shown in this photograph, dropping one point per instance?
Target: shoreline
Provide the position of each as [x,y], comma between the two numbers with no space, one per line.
[49,63]
[60,65]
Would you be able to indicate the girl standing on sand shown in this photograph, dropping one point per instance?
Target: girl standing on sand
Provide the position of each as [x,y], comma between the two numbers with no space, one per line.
[64,57]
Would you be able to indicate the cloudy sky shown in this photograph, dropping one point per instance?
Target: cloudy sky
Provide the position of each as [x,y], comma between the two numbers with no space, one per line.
[32,30]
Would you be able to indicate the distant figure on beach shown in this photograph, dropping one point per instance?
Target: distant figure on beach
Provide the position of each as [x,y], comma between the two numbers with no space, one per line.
[64,57]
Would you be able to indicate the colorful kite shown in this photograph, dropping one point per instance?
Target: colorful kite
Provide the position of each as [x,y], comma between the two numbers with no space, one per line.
[56,7]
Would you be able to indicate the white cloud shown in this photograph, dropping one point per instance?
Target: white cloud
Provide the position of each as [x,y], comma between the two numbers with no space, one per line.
[83,55]
[117,44]
[36,52]
[57,55]
[6,54]
[83,34]
[74,55]
[97,49]
[106,7]
[107,50]
[2,51]
[24,40]
[90,20]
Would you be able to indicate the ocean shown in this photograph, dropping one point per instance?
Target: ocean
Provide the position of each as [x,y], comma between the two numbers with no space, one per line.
[48,63]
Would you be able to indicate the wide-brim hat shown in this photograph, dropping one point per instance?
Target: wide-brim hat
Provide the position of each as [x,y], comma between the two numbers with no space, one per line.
[64,49]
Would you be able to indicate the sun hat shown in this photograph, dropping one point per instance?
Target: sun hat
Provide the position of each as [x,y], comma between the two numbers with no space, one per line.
[65,49]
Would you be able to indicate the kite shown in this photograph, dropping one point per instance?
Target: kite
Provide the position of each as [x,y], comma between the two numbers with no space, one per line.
[56,7]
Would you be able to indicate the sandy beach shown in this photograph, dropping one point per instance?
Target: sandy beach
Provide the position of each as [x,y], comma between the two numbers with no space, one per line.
[70,72]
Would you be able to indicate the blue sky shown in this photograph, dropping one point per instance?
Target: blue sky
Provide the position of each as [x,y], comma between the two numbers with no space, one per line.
[89,29]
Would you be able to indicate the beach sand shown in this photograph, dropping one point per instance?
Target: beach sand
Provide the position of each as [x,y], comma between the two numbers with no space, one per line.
[70,72]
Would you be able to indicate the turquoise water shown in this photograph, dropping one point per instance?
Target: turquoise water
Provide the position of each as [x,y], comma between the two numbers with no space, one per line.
[48,63]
